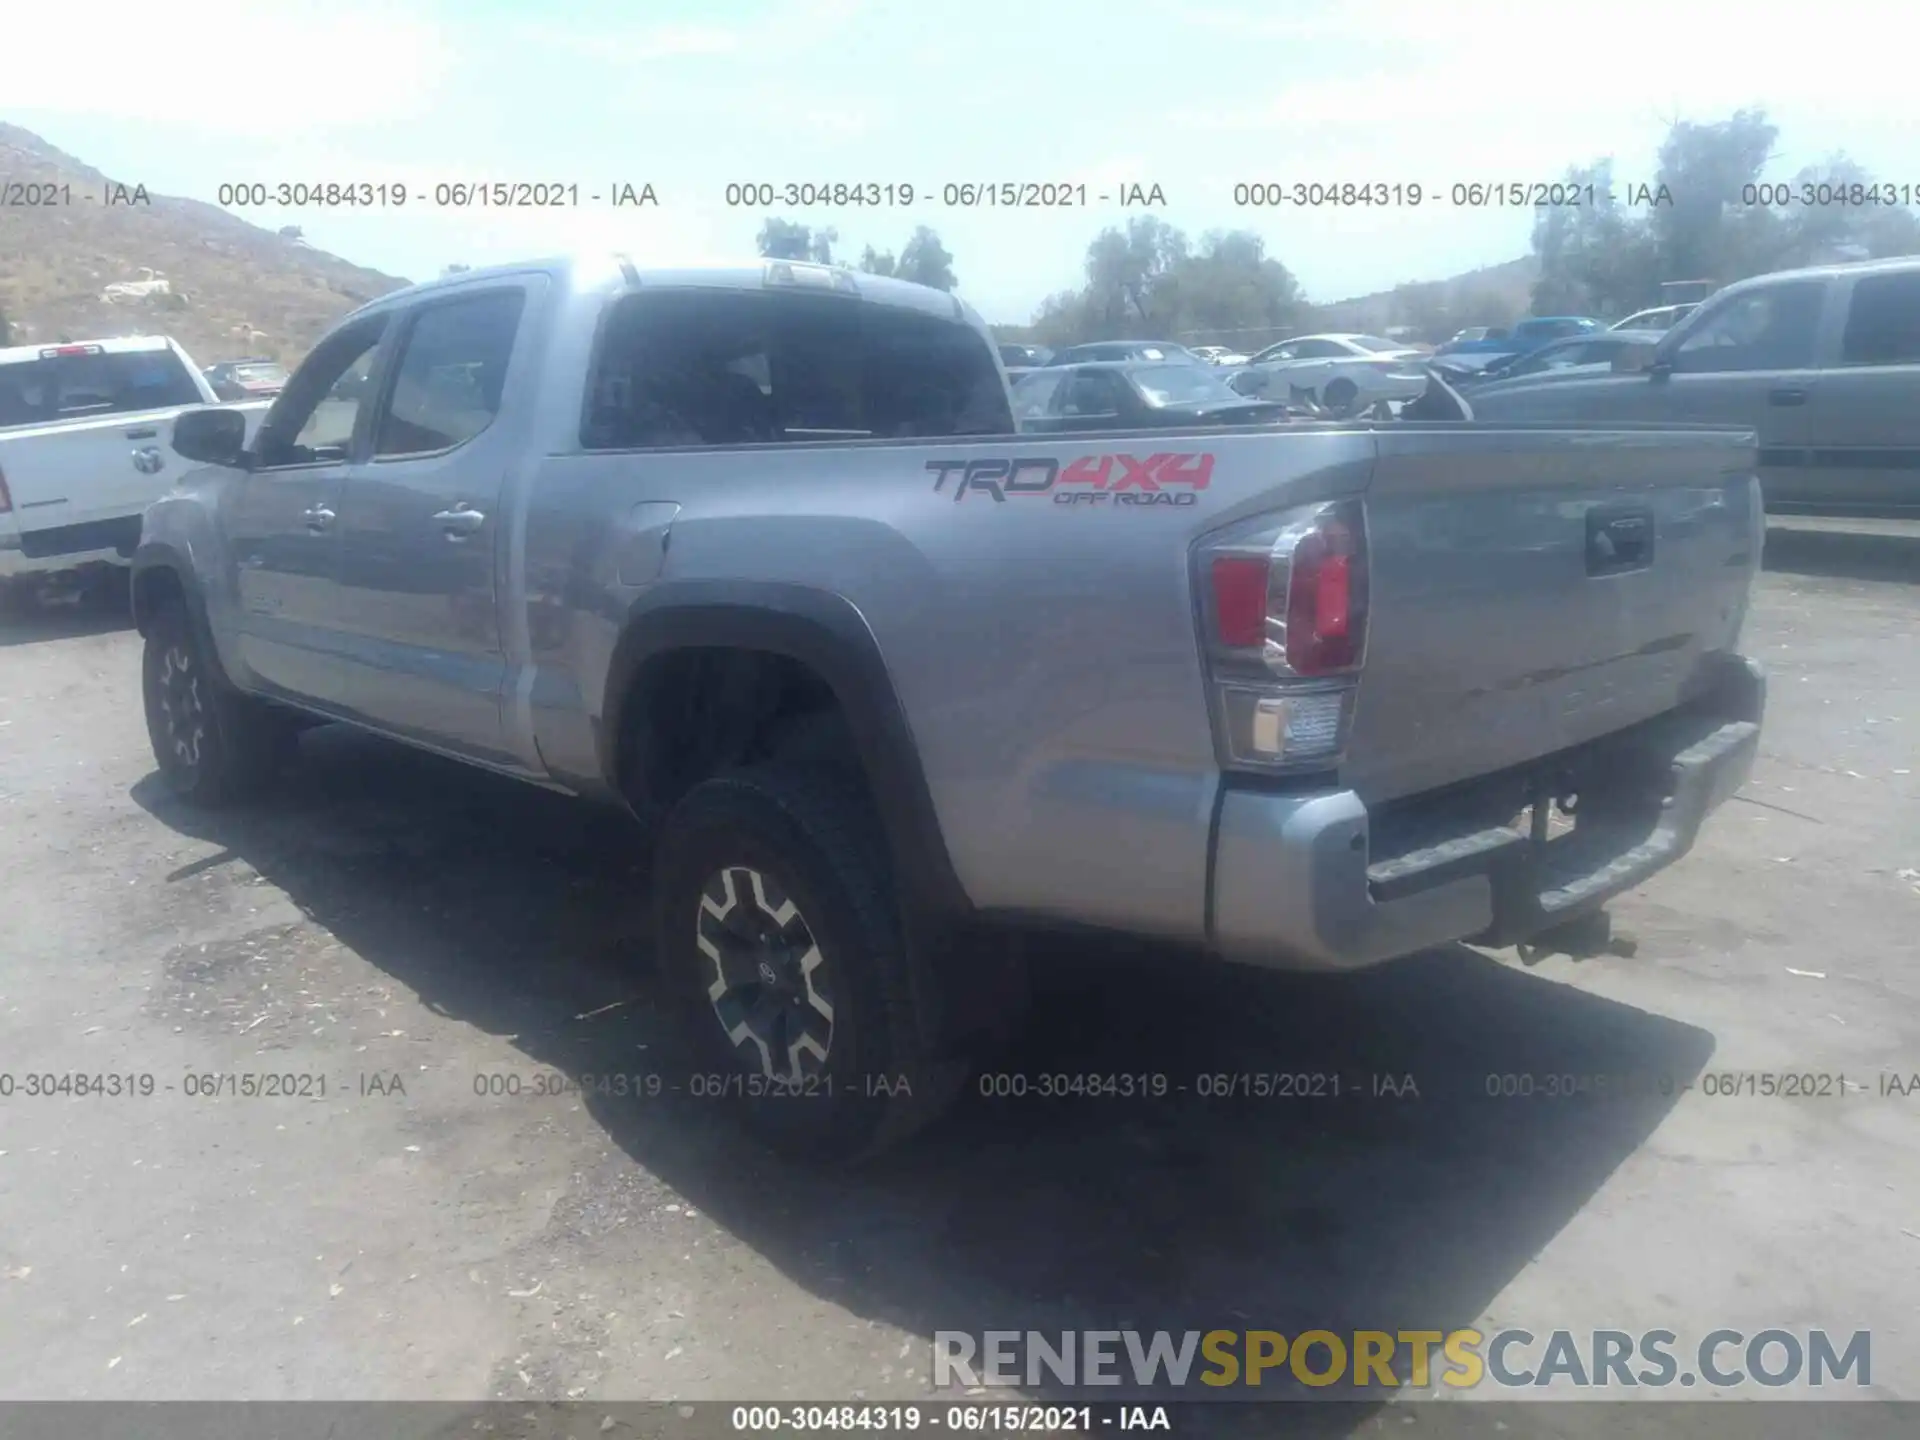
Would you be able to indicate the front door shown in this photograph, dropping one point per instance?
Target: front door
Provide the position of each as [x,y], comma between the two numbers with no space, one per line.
[423,524]
[282,521]
[1747,361]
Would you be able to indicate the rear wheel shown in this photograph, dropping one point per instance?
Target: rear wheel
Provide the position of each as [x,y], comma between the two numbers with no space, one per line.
[1340,395]
[211,743]
[776,927]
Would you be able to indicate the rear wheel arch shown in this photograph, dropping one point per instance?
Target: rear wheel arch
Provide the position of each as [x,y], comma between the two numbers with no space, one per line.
[813,644]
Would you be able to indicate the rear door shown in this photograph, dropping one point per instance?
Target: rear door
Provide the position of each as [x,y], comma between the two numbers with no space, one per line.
[86,433]
[1750,361]
[421,528]
[1863,420]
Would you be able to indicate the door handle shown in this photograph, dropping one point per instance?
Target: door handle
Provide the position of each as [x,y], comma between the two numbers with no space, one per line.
[319,518]
[459,522]
[142,432]
[1788,395]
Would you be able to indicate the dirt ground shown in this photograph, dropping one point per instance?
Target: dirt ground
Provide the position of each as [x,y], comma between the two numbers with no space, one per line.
[423,937]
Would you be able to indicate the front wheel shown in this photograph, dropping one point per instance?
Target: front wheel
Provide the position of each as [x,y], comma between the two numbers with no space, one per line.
[1340,395]
[776,928]
[211,744]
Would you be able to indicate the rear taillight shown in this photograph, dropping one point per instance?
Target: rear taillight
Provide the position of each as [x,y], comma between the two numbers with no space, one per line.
[1285,605]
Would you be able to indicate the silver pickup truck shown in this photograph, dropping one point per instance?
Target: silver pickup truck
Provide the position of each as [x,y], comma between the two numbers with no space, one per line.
[758,555]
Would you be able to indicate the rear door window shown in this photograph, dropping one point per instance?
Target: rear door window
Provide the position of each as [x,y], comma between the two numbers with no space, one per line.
[1883,321]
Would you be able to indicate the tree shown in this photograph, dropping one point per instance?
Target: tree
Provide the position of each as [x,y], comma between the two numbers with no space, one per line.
[1707,231]
[925,261]
[790,240]
[1149,280]
[1230,285]
[1708,219]
[1829,232]
[1599,257]
[1130,276]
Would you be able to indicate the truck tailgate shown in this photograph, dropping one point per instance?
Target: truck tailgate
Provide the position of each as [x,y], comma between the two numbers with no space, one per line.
[1534,589]
[69,472]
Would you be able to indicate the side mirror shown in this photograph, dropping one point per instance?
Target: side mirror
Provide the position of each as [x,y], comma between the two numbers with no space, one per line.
[210,436]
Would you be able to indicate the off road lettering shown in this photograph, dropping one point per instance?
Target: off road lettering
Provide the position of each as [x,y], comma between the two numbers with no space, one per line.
[1140,481]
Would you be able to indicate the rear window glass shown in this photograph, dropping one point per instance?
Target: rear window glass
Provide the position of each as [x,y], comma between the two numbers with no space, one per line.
[63,387]
[725,367]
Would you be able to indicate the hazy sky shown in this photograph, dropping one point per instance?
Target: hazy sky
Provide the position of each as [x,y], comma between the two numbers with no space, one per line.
[692,94]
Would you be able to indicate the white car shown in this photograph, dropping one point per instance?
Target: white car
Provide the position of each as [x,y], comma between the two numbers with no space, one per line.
[85,432]
[1661,317]
[1343,373]
[1218,355]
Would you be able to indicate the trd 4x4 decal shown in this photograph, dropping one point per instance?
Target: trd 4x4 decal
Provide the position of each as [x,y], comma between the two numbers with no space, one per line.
[1109,480]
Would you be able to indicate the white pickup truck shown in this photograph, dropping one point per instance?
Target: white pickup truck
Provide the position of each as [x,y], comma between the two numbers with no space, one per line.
[85,447]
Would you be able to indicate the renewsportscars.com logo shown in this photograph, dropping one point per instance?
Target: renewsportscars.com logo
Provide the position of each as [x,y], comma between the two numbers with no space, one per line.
[1388,1359]
[1107,480]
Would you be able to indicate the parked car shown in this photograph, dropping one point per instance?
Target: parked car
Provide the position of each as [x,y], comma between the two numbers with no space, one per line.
[1132,395]
[1824,363]
[1559,360]
[1021,360]
[1527,335]
[84,431]
[1274,693]
[247,379]
[1661,317]
[1219,355]
[1345,373]
[1161,350]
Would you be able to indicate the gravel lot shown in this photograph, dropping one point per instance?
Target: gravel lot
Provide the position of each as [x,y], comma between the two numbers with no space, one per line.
[392,917]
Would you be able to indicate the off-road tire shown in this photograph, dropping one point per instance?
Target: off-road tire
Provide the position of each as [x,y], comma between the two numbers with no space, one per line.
[213,745]
[811,837]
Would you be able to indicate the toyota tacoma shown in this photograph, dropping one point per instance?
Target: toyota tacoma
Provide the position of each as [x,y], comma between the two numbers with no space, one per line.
[758,555]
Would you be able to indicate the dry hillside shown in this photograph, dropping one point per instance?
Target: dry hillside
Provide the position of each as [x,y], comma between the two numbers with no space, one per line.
[1492,295]
[236,289]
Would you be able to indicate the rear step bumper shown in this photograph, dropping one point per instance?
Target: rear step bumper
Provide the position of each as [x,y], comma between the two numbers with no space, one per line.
[69,547]
[1315,881]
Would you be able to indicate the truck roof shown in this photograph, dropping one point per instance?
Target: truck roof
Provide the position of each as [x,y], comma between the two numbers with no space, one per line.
[1892,265]
[614,271]
[119,345]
